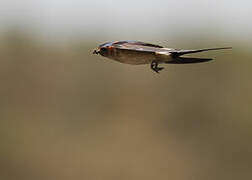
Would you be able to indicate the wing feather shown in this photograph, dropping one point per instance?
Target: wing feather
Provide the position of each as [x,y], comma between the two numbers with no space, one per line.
[136,46]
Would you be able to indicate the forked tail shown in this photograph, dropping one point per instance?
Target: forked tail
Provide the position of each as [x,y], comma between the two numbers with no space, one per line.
[183,52]
[188,60]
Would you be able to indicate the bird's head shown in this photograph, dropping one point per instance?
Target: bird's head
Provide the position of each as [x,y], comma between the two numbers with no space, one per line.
[103,49]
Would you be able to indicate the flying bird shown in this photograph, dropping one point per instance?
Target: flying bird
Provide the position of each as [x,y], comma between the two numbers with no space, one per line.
[136,52]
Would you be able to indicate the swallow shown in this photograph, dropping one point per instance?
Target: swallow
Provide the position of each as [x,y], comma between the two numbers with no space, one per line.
[136,53]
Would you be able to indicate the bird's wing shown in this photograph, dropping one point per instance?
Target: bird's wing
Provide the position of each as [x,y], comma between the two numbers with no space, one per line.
[136,46]
[137,43]
[182,52]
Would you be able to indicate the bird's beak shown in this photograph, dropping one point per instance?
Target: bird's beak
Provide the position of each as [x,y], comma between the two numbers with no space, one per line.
[96,51]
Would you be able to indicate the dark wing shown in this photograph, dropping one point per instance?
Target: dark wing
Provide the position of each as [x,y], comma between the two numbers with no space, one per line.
[137,43]
[136,46]
[182,52]
[187,60]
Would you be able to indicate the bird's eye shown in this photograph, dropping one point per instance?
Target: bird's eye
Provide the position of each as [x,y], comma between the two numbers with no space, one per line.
[103,49]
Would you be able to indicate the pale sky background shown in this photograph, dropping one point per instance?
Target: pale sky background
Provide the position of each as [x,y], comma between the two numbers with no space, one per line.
[135,18]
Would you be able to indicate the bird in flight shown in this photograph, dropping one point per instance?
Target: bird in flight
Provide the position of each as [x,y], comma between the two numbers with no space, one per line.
[136,52]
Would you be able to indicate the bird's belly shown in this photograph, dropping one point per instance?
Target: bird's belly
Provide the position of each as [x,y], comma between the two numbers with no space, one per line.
[134,57]
[134,60]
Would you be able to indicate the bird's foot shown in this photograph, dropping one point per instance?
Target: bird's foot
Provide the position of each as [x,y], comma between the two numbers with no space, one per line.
[154,66]
[158,69]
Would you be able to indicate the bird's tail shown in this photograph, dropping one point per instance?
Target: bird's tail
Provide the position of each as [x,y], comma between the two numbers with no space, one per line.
[182,52]
[187,60]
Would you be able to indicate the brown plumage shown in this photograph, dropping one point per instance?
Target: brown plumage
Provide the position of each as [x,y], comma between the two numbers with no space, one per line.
[136,52]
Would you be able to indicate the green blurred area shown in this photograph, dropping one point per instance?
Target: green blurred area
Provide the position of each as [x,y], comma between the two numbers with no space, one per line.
[68,114]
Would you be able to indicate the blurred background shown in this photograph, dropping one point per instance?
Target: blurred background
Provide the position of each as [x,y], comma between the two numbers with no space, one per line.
[68,114]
